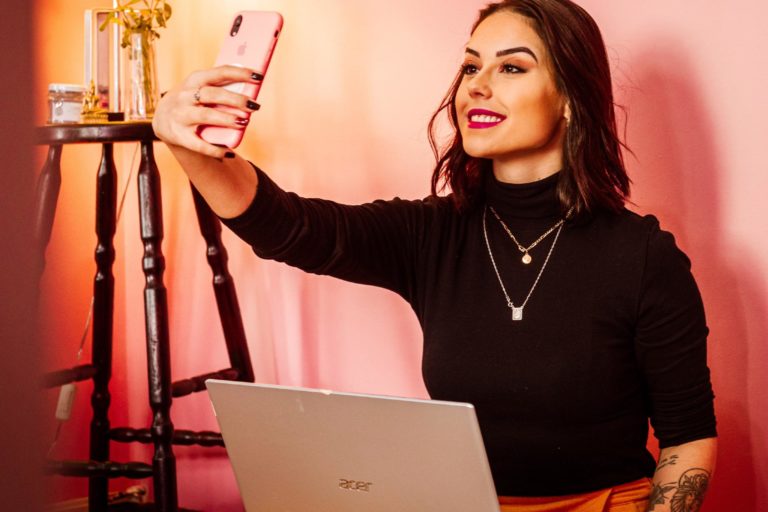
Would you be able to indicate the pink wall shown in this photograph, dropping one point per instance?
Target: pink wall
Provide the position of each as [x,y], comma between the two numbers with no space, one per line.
[344,114]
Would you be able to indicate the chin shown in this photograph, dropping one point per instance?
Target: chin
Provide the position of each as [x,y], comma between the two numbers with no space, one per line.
[478,152]
[480,145]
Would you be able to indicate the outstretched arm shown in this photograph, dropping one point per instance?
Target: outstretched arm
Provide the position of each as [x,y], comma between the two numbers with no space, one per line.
[682,476]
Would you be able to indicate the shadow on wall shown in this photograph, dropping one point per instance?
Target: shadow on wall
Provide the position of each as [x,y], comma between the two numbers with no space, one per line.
[678,178]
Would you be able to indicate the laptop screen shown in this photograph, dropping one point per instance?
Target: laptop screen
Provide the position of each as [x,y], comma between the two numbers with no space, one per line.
[302,450]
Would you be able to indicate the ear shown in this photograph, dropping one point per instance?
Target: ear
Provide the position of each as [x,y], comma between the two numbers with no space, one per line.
[567,113]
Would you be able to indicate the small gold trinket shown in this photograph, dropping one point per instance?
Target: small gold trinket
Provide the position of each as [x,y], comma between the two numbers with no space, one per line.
[527,258]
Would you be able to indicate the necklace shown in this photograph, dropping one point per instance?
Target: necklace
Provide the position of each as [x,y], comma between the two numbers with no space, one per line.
[517,312]
[527,259]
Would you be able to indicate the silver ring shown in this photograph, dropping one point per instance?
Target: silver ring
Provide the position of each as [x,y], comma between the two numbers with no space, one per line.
[197,96]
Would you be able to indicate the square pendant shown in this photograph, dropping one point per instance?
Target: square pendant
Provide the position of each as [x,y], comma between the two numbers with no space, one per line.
[517,314]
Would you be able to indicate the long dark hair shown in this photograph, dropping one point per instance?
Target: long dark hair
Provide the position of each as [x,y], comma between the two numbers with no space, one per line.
[593,176]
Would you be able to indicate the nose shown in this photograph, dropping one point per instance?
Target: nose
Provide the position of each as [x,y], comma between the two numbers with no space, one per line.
[479,86]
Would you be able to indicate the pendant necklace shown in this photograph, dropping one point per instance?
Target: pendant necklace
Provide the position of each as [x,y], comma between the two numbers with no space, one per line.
[517,311]
[527,259]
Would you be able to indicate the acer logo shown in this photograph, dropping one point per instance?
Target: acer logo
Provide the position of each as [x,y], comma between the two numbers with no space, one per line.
[355,485]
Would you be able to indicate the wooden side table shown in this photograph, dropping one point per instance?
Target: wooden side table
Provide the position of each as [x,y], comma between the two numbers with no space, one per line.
[161,390]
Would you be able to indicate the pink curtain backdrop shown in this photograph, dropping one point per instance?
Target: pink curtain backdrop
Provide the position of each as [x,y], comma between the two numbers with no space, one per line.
[345,108]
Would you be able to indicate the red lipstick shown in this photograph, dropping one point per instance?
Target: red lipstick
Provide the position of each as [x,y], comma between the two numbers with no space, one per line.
[482,118]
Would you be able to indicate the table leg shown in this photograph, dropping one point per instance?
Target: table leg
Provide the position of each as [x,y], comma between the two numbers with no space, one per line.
[103,308]
[224,289]
[156,318]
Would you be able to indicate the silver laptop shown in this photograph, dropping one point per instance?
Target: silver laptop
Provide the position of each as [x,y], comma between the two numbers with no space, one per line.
[305,450]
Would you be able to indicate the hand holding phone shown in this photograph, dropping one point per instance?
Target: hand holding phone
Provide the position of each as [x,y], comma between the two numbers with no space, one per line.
[250,43]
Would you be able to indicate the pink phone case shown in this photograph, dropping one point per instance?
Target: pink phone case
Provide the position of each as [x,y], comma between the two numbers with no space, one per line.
[250,43]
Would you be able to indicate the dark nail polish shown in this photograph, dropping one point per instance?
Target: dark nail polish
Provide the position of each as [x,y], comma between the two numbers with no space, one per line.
[257,77]
[229,154]
[253,105]
[242,121]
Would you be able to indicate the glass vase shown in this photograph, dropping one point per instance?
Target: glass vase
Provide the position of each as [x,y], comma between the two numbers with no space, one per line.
[141,90]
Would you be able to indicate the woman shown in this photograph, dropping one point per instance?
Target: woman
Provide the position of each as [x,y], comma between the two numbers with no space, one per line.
[565,319]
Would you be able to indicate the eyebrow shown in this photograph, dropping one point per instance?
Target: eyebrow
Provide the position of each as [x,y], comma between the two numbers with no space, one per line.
[508,51]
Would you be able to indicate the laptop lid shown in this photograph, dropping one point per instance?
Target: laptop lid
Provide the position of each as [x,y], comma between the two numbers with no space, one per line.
[305,450]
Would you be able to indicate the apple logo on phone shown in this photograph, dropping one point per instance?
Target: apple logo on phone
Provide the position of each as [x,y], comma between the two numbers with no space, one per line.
[241,49]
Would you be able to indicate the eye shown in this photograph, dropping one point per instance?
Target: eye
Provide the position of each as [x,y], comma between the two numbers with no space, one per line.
[509,68]
[469,69]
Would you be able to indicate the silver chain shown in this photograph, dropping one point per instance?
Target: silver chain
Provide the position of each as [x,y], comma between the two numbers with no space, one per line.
[517,312]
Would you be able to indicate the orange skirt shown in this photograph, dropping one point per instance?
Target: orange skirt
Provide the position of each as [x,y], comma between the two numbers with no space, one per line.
[630,497]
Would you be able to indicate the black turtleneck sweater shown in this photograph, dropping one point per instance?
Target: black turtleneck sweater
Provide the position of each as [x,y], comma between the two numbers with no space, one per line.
[613,334]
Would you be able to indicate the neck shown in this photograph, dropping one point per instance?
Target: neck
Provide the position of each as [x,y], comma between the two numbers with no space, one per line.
[519,173]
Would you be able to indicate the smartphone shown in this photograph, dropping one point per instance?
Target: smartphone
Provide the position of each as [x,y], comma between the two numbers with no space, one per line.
[250,44]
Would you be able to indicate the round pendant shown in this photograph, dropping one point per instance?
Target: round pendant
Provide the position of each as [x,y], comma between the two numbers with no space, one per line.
[527,258]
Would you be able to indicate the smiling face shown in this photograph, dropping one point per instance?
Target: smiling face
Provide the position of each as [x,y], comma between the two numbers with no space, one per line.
[508,105]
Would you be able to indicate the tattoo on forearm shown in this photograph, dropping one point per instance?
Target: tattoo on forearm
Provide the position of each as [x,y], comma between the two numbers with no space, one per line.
[659,495]
[667,461]
[688,492]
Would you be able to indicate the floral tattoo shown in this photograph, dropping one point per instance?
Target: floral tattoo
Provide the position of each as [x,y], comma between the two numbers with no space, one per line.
[688,494]
[690,491]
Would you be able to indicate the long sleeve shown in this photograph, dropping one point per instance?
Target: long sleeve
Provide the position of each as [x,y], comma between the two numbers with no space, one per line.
[671,343]
[376,243]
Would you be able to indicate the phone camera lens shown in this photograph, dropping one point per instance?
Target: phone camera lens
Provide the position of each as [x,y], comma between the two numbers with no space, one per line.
[236,25]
